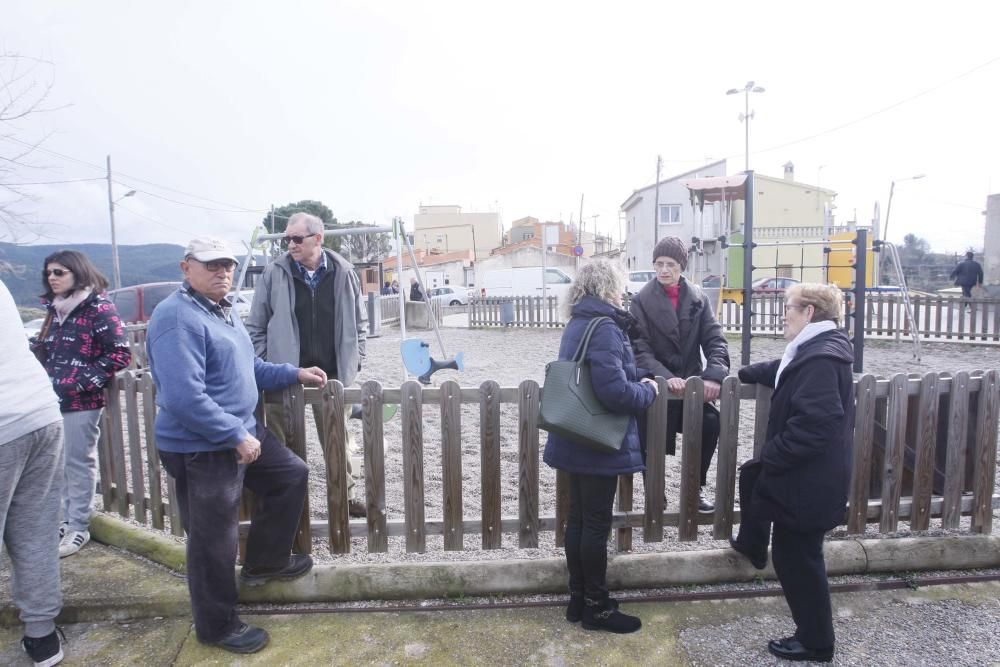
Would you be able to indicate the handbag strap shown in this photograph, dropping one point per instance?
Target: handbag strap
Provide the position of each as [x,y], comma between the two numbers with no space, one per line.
[46,325]
[581,349]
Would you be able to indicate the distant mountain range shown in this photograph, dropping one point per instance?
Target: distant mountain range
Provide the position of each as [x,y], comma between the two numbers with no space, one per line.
[150,263]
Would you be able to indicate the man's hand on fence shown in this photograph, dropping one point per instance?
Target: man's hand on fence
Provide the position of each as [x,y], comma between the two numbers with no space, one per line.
[313,375]
[676,386]
[652,383]
[248,450]
[712,390]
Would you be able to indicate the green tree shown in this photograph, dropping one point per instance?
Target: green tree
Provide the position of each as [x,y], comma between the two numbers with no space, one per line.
[316,207]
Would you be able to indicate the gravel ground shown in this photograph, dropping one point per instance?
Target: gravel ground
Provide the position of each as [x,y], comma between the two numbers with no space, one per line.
[512,355]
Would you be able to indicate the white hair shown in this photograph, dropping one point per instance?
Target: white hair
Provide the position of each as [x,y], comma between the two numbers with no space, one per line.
[313,224]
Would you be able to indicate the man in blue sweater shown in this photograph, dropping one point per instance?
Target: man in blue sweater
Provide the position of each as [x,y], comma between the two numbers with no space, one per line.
[207,380]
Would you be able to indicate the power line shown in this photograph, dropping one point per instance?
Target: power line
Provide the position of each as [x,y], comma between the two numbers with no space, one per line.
[242,209]
[75,180]
[154,221]
[182,203]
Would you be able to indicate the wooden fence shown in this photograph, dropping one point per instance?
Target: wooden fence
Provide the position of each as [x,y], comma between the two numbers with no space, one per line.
[515,311]
[938,318]
[924,446]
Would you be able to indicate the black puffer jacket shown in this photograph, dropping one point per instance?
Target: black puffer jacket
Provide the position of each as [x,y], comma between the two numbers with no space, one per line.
[806,458]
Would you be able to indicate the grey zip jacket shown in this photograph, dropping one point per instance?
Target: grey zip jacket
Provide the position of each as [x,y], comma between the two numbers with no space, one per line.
[274,329]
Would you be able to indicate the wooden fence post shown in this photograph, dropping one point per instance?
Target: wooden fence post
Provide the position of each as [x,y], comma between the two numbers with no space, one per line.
[489,459]
[334,442]
[411,397]
[864,426]
[895,444]
[727,463]
[656,445]
[925,442]
[371,404]
[984,473]
[694,401]
[451,465]
[527,450]
[954,473]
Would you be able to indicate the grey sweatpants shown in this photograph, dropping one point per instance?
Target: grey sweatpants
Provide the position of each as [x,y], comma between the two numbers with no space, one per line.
[81,431]
[31,472]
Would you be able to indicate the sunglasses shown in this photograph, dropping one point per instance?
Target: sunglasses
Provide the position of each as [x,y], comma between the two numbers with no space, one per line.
[296,239]
[58,273]
[225,264]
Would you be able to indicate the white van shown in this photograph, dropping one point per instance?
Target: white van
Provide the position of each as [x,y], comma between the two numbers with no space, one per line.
[524,281]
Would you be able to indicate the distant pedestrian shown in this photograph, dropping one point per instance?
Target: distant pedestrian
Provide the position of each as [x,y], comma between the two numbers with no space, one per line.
[83,345]
[207,382]
[307,312]
[415,293]
[967,274]
[804,468]
[593,476]
[395,287]
[386,289]
[31,481]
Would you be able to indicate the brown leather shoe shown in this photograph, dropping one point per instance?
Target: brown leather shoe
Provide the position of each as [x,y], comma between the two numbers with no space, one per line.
[357,508]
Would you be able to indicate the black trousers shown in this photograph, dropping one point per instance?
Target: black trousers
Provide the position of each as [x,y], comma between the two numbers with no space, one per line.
[591,500]
[209,485]
[675,425]
[798,561]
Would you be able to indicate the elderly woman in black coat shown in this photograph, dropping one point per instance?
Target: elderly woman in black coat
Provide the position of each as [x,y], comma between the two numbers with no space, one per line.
[593,476]
[805,465]
[677,326]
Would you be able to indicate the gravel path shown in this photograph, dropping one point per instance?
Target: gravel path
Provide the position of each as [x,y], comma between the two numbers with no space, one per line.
[510,356]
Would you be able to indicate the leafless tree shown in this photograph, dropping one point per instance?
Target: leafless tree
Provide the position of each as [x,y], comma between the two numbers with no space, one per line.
[25,86]
[366,247]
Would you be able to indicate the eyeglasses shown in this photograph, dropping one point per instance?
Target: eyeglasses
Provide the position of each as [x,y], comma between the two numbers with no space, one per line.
[58,273]
[798,306]
[296,239]
[660,266]
[226,265]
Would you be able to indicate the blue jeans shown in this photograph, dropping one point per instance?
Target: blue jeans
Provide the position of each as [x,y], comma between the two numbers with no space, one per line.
[209,485]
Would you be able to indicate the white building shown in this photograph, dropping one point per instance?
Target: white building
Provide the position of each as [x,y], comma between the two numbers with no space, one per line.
[676,217]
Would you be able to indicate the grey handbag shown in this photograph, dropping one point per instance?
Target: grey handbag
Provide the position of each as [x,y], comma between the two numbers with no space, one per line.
[570,408]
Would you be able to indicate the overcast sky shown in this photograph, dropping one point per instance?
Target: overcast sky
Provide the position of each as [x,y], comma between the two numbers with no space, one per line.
[376,107]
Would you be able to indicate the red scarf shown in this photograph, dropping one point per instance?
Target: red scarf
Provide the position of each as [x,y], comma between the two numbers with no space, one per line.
[674,292]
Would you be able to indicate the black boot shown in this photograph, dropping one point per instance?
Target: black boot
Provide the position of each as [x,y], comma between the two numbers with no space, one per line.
[574,610]
[601,614]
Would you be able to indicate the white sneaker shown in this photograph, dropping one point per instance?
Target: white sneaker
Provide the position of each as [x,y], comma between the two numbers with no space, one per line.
[63,527]
[72,542]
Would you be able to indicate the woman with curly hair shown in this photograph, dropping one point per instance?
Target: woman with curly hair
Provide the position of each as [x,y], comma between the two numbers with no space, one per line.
[82,345]
[593,476]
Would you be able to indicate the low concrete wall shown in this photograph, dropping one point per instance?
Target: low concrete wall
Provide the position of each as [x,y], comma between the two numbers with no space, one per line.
[330,583]
[418,315]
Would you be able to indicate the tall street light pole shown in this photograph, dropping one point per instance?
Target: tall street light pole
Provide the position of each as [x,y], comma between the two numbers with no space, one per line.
[888,210]
[114,240]
[747,114]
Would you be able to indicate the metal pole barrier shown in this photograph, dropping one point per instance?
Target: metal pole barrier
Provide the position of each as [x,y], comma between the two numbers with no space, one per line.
[860,283]
[748,245]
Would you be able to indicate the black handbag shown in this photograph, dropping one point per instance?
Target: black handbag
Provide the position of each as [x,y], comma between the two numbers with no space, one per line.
[570,408]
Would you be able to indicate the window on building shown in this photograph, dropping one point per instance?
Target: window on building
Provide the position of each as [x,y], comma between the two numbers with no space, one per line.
[670,214]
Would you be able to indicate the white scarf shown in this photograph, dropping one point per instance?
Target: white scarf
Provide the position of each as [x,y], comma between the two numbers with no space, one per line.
[64,305]
[808,332]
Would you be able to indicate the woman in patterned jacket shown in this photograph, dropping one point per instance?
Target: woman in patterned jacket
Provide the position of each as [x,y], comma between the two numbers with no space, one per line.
[82,346]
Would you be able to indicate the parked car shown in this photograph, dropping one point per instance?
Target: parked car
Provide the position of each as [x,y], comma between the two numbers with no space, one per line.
[450,295]
[637,279]
[772,285]
[33,327]
[135,303]
[524,281]
[241,303]
[711,281]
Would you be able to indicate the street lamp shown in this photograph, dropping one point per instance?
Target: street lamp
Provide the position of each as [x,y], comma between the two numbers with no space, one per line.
[114,240]
[888,210]
[747,114]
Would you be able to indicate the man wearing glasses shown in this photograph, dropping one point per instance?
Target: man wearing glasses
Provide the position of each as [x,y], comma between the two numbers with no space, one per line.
[307,311]
[207,381]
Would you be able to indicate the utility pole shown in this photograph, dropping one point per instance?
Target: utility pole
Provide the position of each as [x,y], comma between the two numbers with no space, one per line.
[656,203]
[114,240]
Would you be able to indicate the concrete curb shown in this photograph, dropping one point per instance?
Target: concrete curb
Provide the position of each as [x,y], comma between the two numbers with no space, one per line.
[114,532]
[393,581]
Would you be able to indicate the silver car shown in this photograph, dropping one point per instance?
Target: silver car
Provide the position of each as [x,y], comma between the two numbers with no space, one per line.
[450,296]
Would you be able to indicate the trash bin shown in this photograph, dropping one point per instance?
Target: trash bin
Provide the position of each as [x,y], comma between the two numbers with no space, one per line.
[507,313]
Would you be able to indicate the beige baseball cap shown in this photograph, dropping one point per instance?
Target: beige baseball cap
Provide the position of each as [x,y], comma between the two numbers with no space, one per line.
[208,249]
